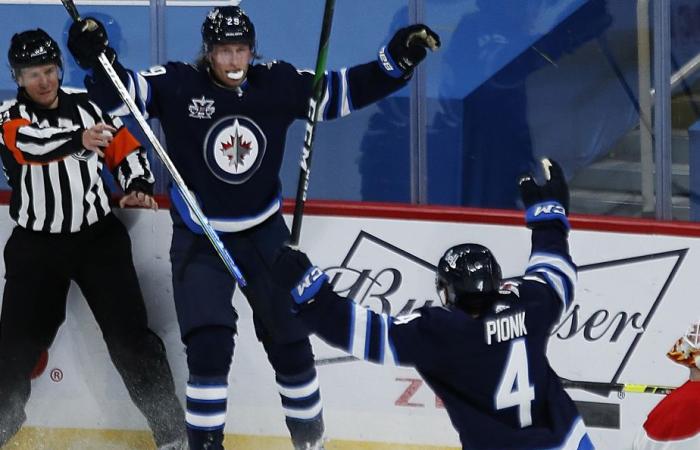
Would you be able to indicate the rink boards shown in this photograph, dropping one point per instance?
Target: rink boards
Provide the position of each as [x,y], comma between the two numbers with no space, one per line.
[635,296]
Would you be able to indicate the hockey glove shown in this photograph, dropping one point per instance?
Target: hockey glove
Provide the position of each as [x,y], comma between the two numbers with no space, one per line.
[87,39]
[297,275]
[406,49]
[548,203]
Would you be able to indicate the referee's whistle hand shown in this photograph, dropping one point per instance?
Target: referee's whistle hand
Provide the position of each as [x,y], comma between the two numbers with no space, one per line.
[97,137]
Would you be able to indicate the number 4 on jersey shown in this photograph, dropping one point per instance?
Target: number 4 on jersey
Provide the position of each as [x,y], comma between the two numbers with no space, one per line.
[514,388]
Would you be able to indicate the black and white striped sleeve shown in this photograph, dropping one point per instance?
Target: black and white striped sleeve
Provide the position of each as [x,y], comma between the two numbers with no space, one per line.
[127,158]
[32,144]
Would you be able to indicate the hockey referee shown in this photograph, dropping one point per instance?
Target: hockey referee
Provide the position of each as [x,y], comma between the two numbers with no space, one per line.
[54,145]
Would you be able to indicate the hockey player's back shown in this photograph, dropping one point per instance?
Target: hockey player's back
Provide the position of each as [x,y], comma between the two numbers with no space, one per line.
[491,371]
[484,351]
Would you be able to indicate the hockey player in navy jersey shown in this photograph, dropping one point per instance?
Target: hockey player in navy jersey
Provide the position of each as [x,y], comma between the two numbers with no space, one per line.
[484,351]
[225,121]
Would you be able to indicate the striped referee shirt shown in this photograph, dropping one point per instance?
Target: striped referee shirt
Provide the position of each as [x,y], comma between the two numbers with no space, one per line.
[56,183]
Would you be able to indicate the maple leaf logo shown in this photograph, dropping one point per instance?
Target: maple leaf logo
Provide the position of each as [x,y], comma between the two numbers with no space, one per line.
[236,149]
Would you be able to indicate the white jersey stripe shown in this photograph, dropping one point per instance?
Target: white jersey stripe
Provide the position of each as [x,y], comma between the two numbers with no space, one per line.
[43,133]
[90,196]
[57,219]
[143,91]
[34,149]
[85,117]
[322,113]
[38,196]
[23,213]
[76,192]
[388,354]
[555,280]
[556,261]
[344,94]
[101,190]
[359,331]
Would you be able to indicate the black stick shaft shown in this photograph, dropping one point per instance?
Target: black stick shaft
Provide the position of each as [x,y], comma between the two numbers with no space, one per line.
[71,8]
[617,387]
[311,118]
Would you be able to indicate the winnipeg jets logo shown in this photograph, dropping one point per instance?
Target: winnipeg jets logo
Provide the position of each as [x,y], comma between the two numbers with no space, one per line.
[234,149]
[201,108]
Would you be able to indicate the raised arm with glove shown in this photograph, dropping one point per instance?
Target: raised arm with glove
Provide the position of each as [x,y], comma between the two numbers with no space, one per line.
[406,49]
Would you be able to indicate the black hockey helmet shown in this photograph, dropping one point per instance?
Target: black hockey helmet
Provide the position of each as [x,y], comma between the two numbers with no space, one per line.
[33,48]
[227,24]
[467,276]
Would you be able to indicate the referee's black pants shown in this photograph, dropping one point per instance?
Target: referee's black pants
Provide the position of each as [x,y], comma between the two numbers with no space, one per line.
[39,268]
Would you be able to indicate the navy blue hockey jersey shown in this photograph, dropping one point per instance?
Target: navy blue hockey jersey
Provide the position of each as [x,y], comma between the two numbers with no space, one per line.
[228,144]
[491,372]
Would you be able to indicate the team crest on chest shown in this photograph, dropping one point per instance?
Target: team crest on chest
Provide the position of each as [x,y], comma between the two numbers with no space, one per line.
[201,108]
[234,148]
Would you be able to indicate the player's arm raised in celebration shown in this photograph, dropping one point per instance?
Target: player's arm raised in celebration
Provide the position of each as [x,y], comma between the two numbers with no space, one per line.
[87,40]
[546,213]
[378,338]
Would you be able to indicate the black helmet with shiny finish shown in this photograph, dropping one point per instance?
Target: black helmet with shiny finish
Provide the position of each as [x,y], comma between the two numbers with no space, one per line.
[467,276]
[227,24]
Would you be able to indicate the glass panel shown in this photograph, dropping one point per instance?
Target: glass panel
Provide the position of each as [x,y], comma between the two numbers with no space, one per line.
[685,108]
[514,80]
[520,80]
[364,156]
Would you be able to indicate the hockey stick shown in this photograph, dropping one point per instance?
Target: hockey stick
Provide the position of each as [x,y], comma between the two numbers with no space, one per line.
[566,383]
[165,159]
[311,118]
[617,387]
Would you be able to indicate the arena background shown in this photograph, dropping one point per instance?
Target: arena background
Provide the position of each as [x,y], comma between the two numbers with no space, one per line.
[515,80]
